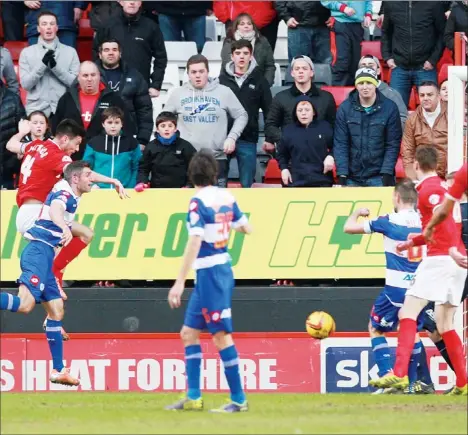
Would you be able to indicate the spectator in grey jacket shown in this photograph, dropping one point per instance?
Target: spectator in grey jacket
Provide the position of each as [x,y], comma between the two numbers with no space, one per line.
[243,27]
[47,68]
[7,70]
[369,61]
[204,107]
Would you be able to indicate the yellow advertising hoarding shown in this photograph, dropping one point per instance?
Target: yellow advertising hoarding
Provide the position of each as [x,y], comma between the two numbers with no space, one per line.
[298,233]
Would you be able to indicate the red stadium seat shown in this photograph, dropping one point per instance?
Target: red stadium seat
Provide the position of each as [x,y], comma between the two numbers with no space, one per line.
[265,185]
[234,185]
[447,57]
[340,93]
[15,48]
[23,95]
[85,31]
[372,48]
[272,172]
[84,48]
[399,170]
[443,72]
[414,99]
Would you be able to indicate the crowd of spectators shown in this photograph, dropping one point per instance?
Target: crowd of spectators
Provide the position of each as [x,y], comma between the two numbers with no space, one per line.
[317,142]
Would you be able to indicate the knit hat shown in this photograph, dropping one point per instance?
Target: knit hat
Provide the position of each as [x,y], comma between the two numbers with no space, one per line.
[306,59]
[366,75]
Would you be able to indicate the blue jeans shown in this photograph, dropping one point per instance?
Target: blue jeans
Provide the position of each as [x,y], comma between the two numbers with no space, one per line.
[246,154]
[66,37]
[310,41]
[402,80]
[194,29]
[370,182]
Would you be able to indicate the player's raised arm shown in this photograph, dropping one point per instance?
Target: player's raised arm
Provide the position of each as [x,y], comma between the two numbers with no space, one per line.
[57,213]
[352,226]
[440,214]
[14,145]
[99,178]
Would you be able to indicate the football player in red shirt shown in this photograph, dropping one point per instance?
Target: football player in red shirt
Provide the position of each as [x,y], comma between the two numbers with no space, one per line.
[438,279]
[452,197]
[42,166]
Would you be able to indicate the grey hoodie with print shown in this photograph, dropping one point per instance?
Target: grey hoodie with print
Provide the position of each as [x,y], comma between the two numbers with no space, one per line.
[203,115]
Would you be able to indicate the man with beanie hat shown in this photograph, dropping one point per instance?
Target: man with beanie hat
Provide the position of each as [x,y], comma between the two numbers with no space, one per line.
[369,61]
[367,135]
[280,114]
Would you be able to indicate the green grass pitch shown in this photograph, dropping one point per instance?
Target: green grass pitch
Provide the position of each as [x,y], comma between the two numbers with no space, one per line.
[142,413]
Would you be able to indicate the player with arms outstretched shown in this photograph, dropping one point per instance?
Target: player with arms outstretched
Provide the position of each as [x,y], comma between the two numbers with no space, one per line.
[212,214]
[50,231]
[395,227]
[43,164]
[438,279]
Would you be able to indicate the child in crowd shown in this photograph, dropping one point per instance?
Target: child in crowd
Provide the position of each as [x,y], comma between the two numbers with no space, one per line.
[165,159]
[113,153]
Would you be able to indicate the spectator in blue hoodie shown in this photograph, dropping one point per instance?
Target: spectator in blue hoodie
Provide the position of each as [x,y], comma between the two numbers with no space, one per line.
[346,23]
[305,150]
[113,153]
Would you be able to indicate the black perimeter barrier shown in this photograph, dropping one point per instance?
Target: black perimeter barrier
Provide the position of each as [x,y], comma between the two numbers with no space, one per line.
[255,309]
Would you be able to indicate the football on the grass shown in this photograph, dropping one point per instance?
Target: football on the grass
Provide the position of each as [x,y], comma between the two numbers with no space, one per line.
[320,325]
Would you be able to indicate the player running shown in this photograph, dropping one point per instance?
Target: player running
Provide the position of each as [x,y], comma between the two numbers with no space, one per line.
[400,269]
[438,279]
[50,231]
[441,213]
[212,214]
[43,164]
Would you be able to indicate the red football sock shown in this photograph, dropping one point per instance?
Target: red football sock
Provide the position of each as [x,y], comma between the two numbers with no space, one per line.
[455,351]
[68,254]
[406,338]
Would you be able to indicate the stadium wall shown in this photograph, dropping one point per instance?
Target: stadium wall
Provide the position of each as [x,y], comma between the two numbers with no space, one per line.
[256,309]
[269,362]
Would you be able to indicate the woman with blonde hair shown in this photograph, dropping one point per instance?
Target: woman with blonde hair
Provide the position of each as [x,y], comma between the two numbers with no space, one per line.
[243,27]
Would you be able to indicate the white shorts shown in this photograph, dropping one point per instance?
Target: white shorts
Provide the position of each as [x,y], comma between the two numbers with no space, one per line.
[438,279]
[27,215]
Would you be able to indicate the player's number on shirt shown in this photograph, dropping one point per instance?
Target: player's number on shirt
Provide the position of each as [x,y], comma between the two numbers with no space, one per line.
[26,167]
[224,219]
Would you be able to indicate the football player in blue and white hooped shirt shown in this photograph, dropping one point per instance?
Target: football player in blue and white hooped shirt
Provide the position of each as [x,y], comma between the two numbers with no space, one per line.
[212,213]
[400,270]
[37,282]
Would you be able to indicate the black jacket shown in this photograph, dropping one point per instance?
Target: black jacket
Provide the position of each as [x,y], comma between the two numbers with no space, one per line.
[412,33]
[282,106]
[179,8]
[167,164]
[141,40]
[306,148]
[103,12]
[134,91]
[457,22]
[366,144]
[11,112]
[69,107]
[254,94]
[308,13]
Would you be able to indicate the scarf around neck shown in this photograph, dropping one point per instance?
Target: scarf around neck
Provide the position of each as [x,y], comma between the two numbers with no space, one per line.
[168,141]
[49,45]
[249,36]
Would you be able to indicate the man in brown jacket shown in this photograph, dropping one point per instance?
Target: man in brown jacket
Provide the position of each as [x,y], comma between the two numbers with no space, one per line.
[427,125]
